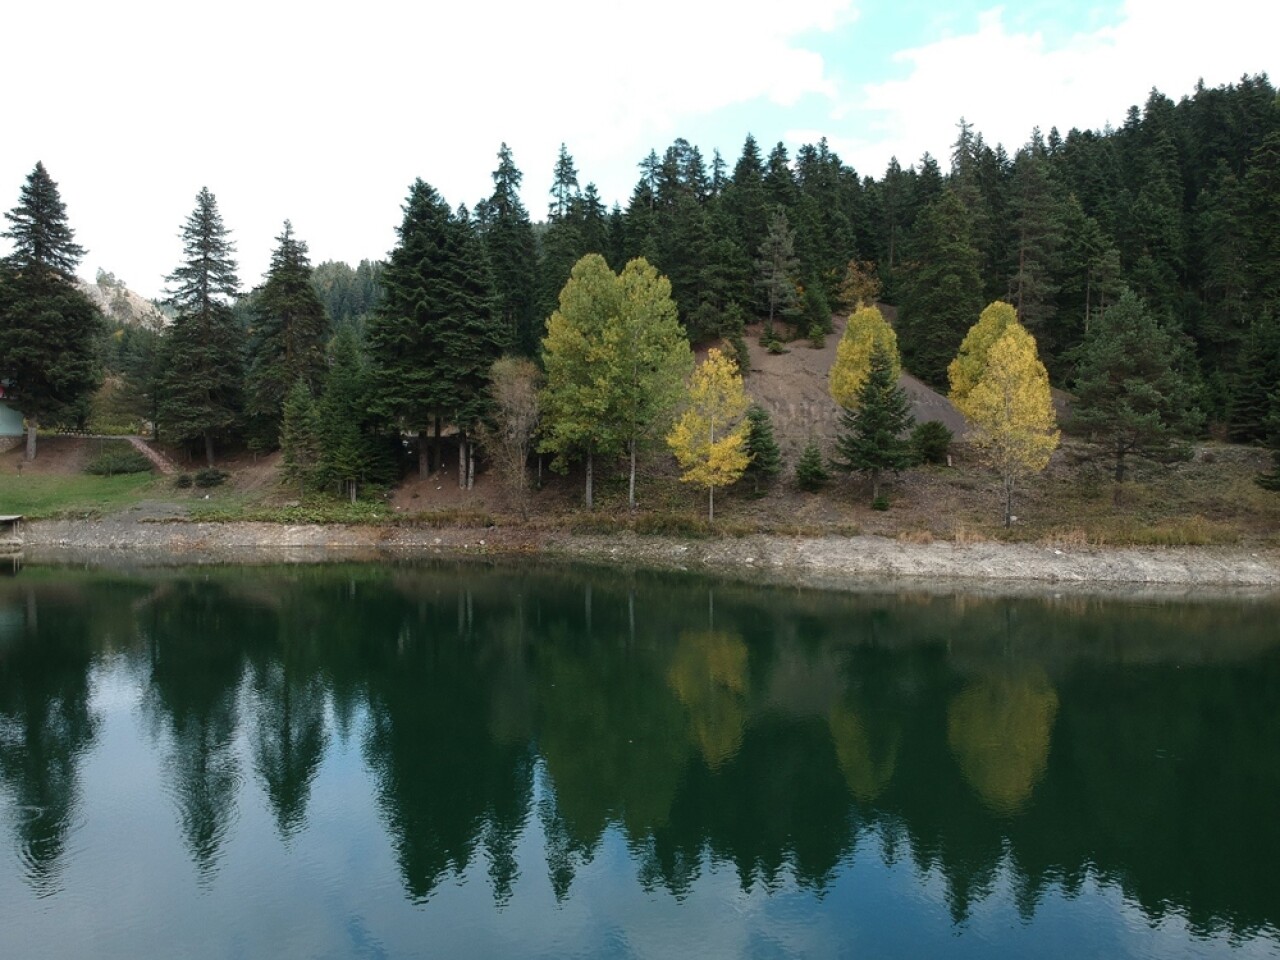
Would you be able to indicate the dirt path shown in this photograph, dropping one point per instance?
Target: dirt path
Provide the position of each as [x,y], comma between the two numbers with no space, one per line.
[163,463]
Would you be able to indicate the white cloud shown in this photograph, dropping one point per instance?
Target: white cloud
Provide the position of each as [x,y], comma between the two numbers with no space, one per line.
[325,113]
[1006,82]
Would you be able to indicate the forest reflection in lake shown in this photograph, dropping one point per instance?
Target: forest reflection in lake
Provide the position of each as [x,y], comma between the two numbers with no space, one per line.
[459,760]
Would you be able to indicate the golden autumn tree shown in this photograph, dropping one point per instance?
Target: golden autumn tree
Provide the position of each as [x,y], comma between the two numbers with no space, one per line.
[709,440]
[966,369]
[1011,410]
[866,328]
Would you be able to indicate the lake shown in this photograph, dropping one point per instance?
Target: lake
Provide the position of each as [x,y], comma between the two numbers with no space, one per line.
[426,760]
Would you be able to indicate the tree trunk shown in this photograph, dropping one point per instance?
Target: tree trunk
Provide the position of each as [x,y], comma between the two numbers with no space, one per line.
[424,456]
[438,446]
[1008,502]
[1117,493]
[591,503]
[711,504]
[631,484]
[875,484]
[471,465]
[462,461]
[32,424]
[208,447]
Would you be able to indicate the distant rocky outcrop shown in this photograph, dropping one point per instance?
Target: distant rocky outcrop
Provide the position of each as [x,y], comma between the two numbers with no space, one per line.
[120,304]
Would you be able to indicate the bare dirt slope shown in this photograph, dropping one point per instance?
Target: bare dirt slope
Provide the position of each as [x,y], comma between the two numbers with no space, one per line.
[792,386]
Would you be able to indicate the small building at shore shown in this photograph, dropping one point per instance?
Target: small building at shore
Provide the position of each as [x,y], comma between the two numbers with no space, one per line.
[10,421]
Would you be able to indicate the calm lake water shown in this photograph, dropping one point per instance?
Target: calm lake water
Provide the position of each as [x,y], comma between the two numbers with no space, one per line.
[440,761]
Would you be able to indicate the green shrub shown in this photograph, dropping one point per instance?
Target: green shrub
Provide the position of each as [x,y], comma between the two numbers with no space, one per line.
[182,481]
[811,472]
[817,337]
[931,442]
[880,503]
[211,477]
[118,458]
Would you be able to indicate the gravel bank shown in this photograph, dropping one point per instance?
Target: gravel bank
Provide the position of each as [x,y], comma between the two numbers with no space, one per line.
[824,561]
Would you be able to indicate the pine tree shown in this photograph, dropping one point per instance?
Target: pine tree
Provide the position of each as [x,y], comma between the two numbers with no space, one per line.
[513,254]
[1271,481]
[811,472]
[348,452]
[435,334]
[709,439]
[1251,400]
[290,336]
[873,434]
[43,241]
[866,330]
[47,327]
[1131,392]
[1011,411]
[776,268]
[203,382]
[300,444]
[762,449]
[941,293]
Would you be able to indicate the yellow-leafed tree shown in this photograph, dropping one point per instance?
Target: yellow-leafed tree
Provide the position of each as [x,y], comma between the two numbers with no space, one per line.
[709,440]
[866,328]
[1011,411]
[966,369]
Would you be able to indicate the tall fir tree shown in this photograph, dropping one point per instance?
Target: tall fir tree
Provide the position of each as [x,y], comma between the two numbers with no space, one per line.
[300,438]
[513,254]
[291,331]
[48,329]
[776,269]
[203,388]
[874,435]
[942,293]
[762,449]
[435,333]
[1132,393]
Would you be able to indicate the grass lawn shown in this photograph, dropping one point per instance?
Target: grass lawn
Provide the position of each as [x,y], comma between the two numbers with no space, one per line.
[41,497]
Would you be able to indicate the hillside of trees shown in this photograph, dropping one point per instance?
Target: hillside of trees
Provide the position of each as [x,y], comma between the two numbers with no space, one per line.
[1169,224]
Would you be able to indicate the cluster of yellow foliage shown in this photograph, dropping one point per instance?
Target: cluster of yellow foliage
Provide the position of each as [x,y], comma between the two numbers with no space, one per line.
[709,440]
[866,328]
[1002,388]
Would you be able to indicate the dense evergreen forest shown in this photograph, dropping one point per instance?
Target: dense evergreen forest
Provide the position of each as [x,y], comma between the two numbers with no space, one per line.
[1179,208]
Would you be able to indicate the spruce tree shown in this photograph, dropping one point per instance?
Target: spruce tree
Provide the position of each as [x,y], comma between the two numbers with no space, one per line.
[435,333]
[776,268]
[292,330]
[348,451]
[762,448]
[874,436]
[300,445]
[1271,481]
[513,254]
[811,472]
[48,359]
[942,293]
[202,388]
[1132,395]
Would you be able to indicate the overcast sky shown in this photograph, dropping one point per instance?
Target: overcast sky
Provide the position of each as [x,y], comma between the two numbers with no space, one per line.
[325,113]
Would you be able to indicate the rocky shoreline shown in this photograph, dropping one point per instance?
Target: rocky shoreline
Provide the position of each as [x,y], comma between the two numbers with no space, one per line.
[818,561]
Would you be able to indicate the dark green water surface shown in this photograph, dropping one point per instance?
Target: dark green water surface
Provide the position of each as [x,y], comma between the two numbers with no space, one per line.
[433,761]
